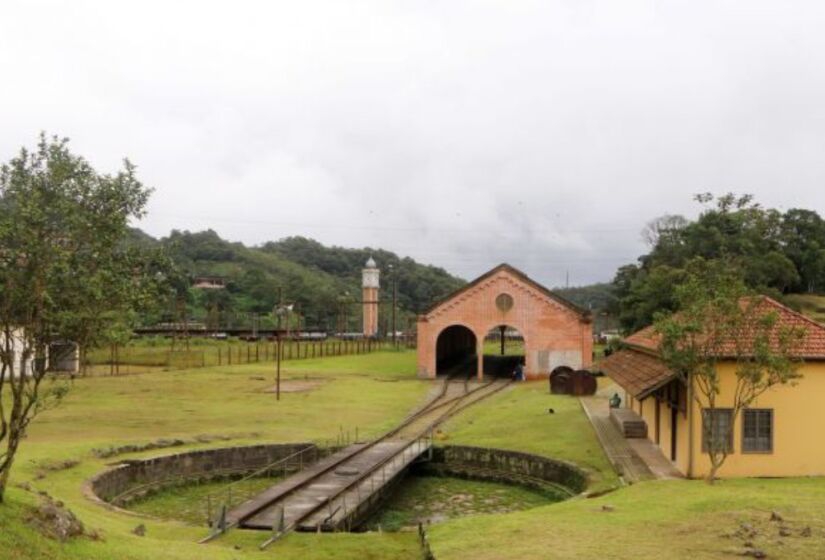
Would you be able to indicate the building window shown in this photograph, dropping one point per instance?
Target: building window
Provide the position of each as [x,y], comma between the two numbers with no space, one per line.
[757,430]
[717,430]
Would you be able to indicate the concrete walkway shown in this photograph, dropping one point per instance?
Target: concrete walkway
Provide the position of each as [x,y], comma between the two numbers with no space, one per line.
[634,459]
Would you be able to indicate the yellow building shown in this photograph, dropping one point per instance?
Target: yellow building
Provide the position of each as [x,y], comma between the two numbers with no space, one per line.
[778,435]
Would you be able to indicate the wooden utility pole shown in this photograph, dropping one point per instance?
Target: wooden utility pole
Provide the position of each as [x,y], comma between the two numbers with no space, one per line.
[394,301]
[278,312]
[278,369]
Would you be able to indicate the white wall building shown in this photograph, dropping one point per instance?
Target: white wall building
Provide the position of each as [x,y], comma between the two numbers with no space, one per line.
[62,357]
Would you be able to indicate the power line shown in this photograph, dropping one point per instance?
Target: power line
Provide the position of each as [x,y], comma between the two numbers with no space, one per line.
[385,228]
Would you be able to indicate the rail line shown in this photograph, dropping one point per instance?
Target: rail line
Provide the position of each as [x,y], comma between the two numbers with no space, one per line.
[406,441]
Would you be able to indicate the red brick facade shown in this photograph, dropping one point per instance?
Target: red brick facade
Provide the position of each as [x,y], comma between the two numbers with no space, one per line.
[556,332]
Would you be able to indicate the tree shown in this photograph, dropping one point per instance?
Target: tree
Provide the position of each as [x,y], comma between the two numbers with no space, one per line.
[778,253]
[664,229]
[803,240]
[63,270]
[718,319]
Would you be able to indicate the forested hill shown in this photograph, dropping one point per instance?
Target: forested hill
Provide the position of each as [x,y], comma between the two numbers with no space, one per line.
[777,253]
[323,282]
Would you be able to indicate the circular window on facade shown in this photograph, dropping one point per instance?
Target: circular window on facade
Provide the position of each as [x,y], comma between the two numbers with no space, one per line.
[504,302]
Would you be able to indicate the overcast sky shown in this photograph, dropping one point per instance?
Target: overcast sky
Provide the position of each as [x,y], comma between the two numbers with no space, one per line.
[463,134]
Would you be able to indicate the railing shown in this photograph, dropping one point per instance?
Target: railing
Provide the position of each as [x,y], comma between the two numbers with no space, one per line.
[217,503]
[415,449]
[233,493]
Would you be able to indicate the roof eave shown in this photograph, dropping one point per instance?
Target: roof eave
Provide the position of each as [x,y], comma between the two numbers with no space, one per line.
[583,313]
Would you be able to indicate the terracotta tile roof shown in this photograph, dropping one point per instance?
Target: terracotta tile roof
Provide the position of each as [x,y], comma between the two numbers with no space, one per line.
[646,338]
[639,373]
[811,347]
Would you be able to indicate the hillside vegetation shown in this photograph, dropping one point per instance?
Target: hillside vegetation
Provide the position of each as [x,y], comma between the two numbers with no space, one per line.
[323,283]
[810,304]
[775,253]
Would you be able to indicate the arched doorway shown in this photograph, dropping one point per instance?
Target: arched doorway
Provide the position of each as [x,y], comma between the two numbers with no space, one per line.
[556,331]
[504,349]
[456,351]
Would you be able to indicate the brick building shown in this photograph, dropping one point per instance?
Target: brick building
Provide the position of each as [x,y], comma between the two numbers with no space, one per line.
[555,331]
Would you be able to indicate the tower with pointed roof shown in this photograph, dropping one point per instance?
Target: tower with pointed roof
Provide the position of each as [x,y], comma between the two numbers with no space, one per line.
[369,297]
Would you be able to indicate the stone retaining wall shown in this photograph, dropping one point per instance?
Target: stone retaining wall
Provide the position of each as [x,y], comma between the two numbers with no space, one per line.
[512,466]
[136,477]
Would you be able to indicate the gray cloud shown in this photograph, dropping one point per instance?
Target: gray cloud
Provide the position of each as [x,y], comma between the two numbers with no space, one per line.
[464,134]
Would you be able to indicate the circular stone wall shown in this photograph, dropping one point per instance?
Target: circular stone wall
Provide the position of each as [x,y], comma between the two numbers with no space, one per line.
[514,467]
[139,477]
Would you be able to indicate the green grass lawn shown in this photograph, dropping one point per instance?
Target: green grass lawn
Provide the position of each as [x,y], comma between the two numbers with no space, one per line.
[187,503]
[660,519]
[372,392]
[511,348]
[519,419]
[154,353]
[672,519]
[651,520]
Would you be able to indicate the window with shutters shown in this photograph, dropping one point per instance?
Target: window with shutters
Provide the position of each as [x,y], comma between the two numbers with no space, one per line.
[757,430]
[717,430]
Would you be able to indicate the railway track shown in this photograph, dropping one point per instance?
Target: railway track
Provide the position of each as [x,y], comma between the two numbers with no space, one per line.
[318,497]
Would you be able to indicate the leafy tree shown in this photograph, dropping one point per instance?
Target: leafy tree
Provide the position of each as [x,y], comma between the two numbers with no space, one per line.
[647,291]
[777,253]
[718,319]
[63,268]
[803,240]
[664,230]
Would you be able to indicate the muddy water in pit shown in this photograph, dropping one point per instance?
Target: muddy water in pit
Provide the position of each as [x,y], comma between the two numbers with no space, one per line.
[432,499]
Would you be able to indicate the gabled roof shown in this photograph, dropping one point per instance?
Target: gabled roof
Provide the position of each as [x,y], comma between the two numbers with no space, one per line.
[811,347]
[639,373]
[585,314]
[638,369]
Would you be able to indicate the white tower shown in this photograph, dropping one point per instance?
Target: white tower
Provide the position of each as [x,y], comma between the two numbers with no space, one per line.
[369,297]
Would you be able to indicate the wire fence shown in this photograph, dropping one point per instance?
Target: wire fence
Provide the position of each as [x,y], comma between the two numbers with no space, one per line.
[138,358]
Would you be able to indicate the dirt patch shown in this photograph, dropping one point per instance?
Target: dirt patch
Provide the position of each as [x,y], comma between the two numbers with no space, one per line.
[295,386]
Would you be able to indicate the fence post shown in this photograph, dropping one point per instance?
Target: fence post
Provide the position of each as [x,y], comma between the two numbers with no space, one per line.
[219,356]
[256,353]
